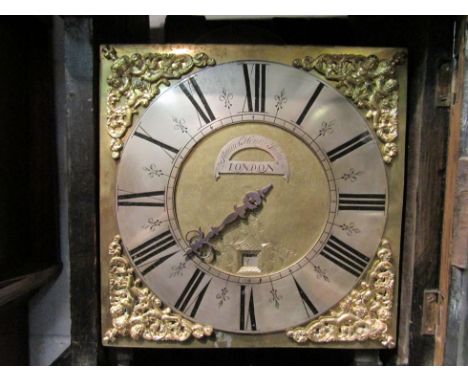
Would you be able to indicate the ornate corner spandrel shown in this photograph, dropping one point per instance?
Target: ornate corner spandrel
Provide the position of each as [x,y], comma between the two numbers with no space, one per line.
[137,313]
[135,80]
[371,83]
[365,314]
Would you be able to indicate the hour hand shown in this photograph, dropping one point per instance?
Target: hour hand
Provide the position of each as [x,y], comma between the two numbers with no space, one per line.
[198,242]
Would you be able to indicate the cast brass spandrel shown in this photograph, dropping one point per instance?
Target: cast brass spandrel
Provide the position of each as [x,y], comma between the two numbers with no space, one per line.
[139,314]
[363,315]
[371,83]
[135,80]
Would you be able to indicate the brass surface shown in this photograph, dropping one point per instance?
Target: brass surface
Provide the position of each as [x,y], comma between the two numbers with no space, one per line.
[371,83]
[139,314]
[302,202]
[364,314]
[223,53]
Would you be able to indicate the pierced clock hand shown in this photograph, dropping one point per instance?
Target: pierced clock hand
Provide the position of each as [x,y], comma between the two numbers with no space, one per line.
[199,241]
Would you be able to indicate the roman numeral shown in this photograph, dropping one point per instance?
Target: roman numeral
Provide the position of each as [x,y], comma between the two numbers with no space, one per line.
[344,256]
[247,319]
[151,249]
[305,300]
[187,299]
[204,109]
[349,146]
[259,87]
[156,142]
[126,199]
[362,202]
[309,104]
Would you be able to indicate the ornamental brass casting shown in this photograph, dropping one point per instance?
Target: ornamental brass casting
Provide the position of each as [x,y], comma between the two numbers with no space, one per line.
[371,83]
[134,81]
[365,314]
[137,313]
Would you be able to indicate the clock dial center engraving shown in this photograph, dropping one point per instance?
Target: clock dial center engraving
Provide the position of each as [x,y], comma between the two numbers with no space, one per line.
[296,208]
[226,165]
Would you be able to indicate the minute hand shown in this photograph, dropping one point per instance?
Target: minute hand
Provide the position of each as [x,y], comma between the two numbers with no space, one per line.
[252,201]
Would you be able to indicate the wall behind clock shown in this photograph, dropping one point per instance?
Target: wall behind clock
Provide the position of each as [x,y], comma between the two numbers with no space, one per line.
[29,239]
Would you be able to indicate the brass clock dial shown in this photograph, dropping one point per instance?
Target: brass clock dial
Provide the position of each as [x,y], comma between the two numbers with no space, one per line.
[251,196]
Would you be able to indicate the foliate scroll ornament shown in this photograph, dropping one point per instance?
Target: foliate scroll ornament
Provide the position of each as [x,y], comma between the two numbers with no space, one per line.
[363,315]
[371,83]
[135,80]
[137,313]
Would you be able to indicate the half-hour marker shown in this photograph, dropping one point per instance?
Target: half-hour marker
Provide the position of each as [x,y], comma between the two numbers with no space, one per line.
[349,146]
[151,249]
[258,103]
[308,305]
[309,104]
[362,202]
[345,256]
[164,146]
[204,109]
[247,319]
[188,298]
[129,199]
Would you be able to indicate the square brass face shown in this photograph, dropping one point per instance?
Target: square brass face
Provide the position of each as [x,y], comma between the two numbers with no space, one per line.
[344,68]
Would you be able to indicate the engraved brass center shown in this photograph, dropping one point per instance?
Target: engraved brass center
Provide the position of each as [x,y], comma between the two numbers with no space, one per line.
[283,230]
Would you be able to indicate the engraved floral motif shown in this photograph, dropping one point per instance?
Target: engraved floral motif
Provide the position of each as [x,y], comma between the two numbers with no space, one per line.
[152,224]
[135,80]
[137,313]
[364,314]
[152,171]
[371,83]
[226,97]
[327,128]
[349,228]
[280,100]
[177,270]
[179,124]
[222,296]
[320,273]
[351,175]
[275,297]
